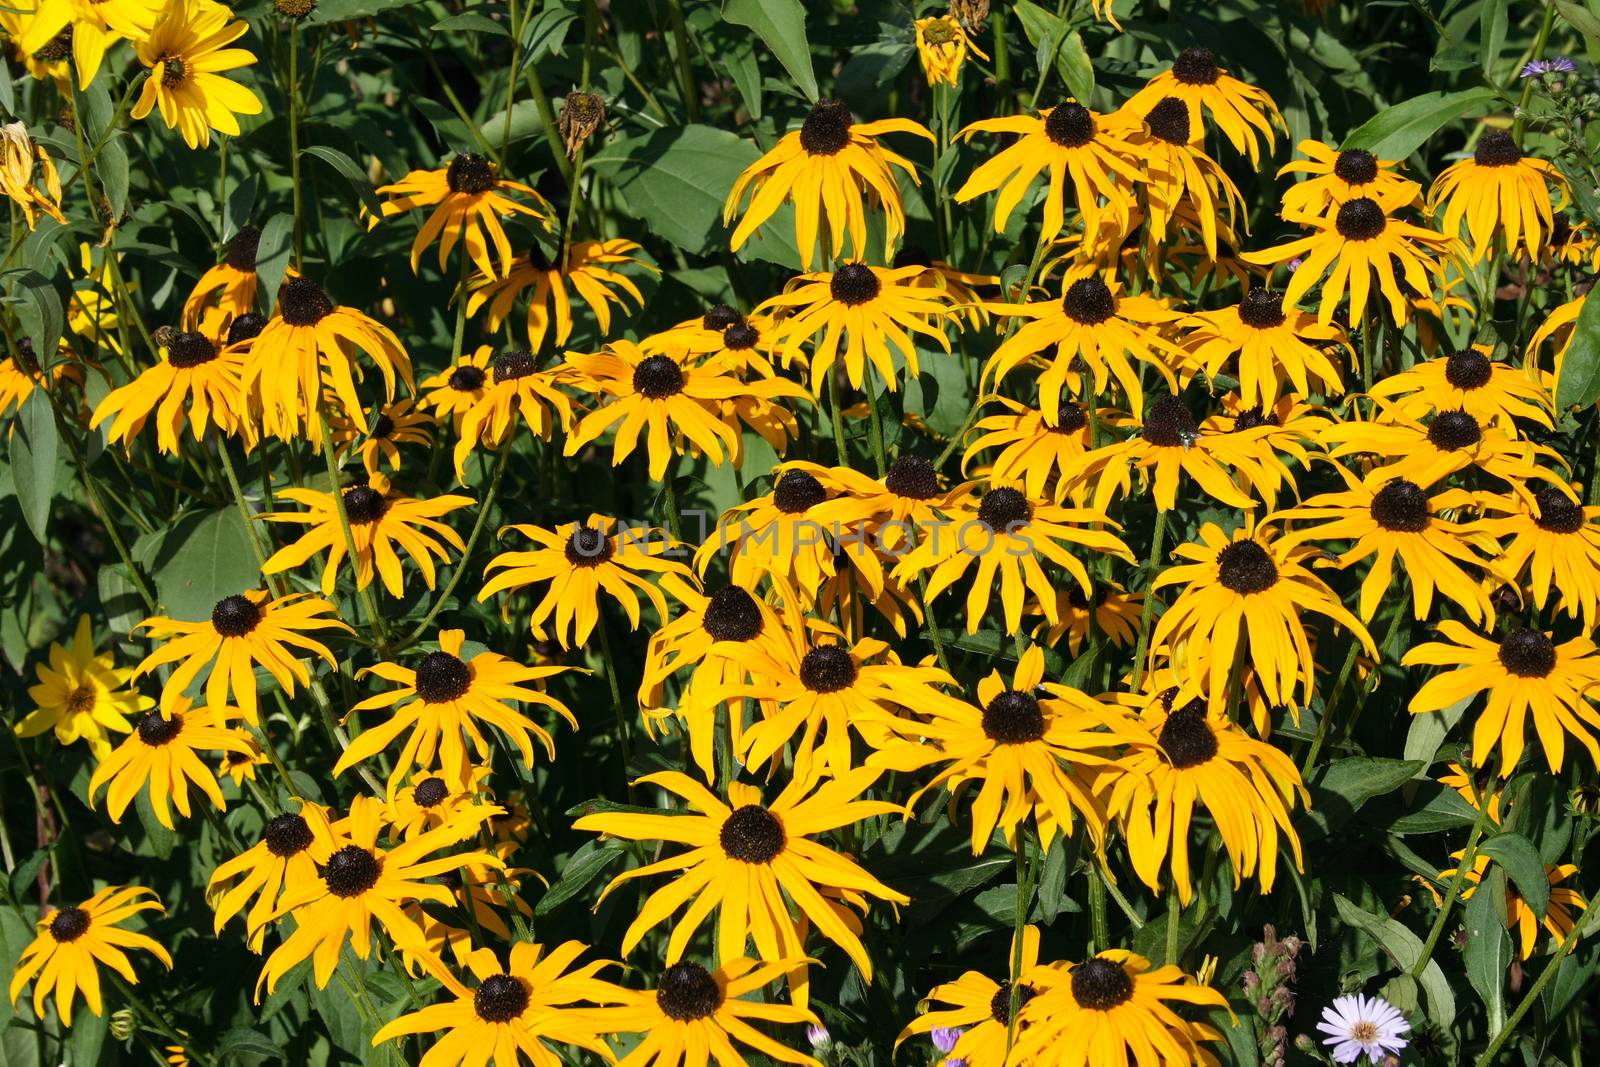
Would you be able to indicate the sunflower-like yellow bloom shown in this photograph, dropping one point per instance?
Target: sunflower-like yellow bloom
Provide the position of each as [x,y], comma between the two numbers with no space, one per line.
[942,45]
[1560,914]
[667,400]
[20,159]
[1522,673]
[1240,110]
[758,866]
[82,695]
[74,941]
[979,1008]
[280,861]
[520,1010]
[382,522]
[1338,176]
[823,168]
[198,382]
[1183,756]
[468,197]
[453,392]
[161,752]
[1036,451]
[361,881]
[186,53]
[1115,1005]
[230,286]
[1269,345]
[92,27]
[444,703]
[1178,175]
[1469,380]
[245,631]
[1499,191]
[1554,546]
[1448,443]
[513,385]
[744,344]
[695,1017]
[394,425]
[1249,590]
[1073,144]
[589,269]
[1359,242]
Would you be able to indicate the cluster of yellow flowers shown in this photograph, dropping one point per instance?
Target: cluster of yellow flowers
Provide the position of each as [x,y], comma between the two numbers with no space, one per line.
[776,672]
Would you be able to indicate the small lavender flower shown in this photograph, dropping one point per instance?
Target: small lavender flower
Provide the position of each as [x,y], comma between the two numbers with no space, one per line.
[945,1038]
[1537,68]
[818,1035]
[1361,1025]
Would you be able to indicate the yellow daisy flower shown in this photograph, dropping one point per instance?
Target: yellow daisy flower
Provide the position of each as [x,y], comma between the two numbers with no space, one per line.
[1268,346]
[1240,110]
[74,941]
[468,197]
[82,696]
[281,860]
[1338,176]
[161,752]
[588,269]
[942,46]
[186,53]
[20,160]
[91,27]
[198,382]
[1498,190]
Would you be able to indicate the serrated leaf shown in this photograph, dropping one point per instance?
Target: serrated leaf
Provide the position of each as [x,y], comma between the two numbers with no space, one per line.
[782,25]
[1396,132]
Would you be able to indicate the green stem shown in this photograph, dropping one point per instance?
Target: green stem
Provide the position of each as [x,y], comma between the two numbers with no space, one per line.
[1174,916]
[1453,892]
[837,415]
[616,696]
[552,133]
[248,517]
[680,41]
[875,423]
[153,1018]
[1019,924]
[1527,85]
[1099,921]
[1149,599]
[511,81]
[292,91]
[1122,901]
[1002,56]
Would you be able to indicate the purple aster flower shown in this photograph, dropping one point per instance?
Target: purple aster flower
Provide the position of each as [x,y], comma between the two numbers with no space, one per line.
[945,1038]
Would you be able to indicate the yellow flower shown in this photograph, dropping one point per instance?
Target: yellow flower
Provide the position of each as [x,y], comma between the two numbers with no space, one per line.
[1499,191]
[1182,182]
[186,55]
[1555,545]
[278,862]
[395,424]
[943,46]
[161,751]
[468,198]
[980,1008]
[93,26]
[74,941]
[198,381]
[1240,110]
[1561,912]
[19,158]
[1468,380]
[454,391]
[1270,346]
[513,386]
[1337,176]
[231,285]
[81,695]
[588,268]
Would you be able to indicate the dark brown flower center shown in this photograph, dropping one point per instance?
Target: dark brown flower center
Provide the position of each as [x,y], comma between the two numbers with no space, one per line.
[81,700]
[913,256]
[1360,219]
[500,998]
[430,792]
[56,48]
[1196,66]
[1251,418]
[1558,513]
[1004,509]
[246,327]
[469,173]
[827,669]
[190,349]
[509,366]
[1069,125]
[1468,369]
[1186,737]
[1000,1003]
[912,477]
[732,615]
[467,378]
[1168,424]
[1262,309]
[302,302]
[351,871]
[854,284]
[69,924]
[1013,718]
[1100,984]
[242,249]
[1245,567]
[752,834]
[155,729]
[658,377]
[1401,506]
[1070,419]
[1452,430]
[589,547]
[235,616]
[1169,121]
[826,130]
[287,835]
[797,492]
[720,317]
[382,426]
[441,678]
[740,336]
[1355,166]
[1527,654]
[688,991]
[364,504]
[1089,301]
[173,71]
[1497,148]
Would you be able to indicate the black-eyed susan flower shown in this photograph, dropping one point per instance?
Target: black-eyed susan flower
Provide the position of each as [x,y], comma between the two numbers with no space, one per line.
[279,861]
[695,1016]
[536,1001]
[1288,427]
[1000,535]
[161,752]
[437,796]
[1362,241]
[582,560]
[1268,346]
[1561,912]
[311,340]
[1523,673]
[91,28]
[445,701]
[707,642]
[1469,380]
[666,400]
[978,1008]
[246,631]
[73,942]
[759,866]
[1498,191]
[453,392]
[859,313]
[186,52]
[1028,748]
[1106,609]
[1036,450]
[1240,110]
[1077,147]
[52,62]
[82,695]
[962,286]
[1449,442]
[1095,322]
[28,176]
[824,168]
[231,285]
[241,766]
[1115,1005]
[776,534]
[382,520]
[1554,546]
[1250,590]
[745,344]
[197,383]
[942,45]
[869,513]
[481,894]
[1383,516]
[514,386]
[1178,173]
[589,269]
[393,425]
[360,882]
[1182,757]
[1340,175]
[468,197]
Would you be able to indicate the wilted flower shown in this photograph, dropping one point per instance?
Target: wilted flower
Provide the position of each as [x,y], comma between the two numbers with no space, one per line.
[581,115]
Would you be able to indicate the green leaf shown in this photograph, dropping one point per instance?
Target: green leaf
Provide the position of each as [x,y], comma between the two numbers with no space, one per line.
[87,1037]
[1580,18]
[1076,70]
[1340,789]
[1521,862]
[241,202]
[587,864]
[1487,954]
[204,557]
[1398,131]
[272,256]
[1492,22]
[1427,732]
[112,169]
[347,10]
[34,447]
[1405,948]
[782,25]
[1580,367]
[546,32]
[162,840]
[472,22]
[352,172]
[244,1043]
[38,310]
